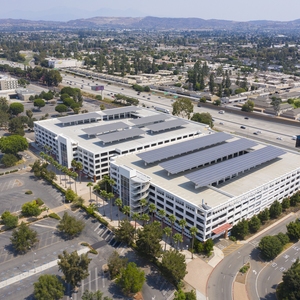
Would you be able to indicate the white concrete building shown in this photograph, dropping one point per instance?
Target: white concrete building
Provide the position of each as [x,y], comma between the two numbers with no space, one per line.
[211,188]
[8,83]
[64,63]
[93,138]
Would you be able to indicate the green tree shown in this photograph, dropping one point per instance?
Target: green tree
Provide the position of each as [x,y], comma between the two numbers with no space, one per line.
[48,287]
[61,108]
[98,295]
[74,266]
[264,215]
[131,279]
[23,238]
[4,118]
[211,83]
[115,264]
[193,232]
[16,108]
[70,225]
[70,195]
[204,118]
[167,232]
[275,209]
[16,126]
[31,209]
[177,238]
[248,106]
[119,203]
[90,185]
[276,102]
[148,240]
[162,213]
[284,238]
[13,144]
[254,224]
[270,246]
[125,232]
[39,103]
[9,160]
[208,246]
[172,220]
[183,108]
[10,221]
[285,204]
[293,230]
[289,289]
[126,211]
[241,229]
[174,265]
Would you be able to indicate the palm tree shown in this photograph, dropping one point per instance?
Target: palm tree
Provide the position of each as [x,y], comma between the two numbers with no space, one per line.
[145,218]
[74,175]
[119,204]
[167,232]
[74,164]
[126,211]
[177,238]
[152,209]
[65,170]
[135,217]
[162,213]
[109,198]
[143,203]
[193,232]
[107,180]
[69,173]
[103,194]
[79,168]
[172,220]
[182,224]
[96,188]
[59,167]
[90,184]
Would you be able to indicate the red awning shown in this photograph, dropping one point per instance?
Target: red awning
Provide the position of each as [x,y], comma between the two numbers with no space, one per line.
[222,228]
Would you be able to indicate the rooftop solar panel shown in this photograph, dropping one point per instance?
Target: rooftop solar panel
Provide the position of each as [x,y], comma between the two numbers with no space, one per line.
[121,135]
[231,167]
[150,119]
[166,125]
[121,110]
[105,128]
[80,117]
[200,158]
[183,147]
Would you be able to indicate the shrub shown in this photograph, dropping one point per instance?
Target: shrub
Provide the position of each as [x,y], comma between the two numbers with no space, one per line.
[28,192]
[54,216]
[93,251]
[244,269]
[39,201]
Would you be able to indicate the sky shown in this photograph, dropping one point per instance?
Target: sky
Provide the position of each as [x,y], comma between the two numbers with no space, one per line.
[236,10]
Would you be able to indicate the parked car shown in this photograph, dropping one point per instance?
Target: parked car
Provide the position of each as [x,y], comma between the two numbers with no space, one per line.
[243,127]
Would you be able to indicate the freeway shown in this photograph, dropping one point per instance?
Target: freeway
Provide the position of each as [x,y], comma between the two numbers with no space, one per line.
[219,285]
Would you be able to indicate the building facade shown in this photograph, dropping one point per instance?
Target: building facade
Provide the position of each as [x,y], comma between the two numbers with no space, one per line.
[8,83]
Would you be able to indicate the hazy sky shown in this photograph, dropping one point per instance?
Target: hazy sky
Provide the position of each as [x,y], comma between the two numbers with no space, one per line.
[238,10]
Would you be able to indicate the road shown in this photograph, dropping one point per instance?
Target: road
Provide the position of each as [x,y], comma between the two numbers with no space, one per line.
[220,283]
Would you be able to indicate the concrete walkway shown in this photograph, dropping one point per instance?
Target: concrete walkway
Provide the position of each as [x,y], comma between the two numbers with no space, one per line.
[36,270]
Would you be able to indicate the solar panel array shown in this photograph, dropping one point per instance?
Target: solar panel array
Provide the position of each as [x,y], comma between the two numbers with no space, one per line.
[105,128]
[121,135]
[183,147]
[233,166]
[121,110]
[166,125]
[80,117]
[150,119]
[200,158]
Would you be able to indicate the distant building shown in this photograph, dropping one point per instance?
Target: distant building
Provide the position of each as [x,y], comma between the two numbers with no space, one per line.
[64,63]
[8,83]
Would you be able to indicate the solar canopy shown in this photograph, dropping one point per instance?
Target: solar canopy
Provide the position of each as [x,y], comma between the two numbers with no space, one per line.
[200,158]
[121,110]
[80,117]
[166,125]
[121,135]
[183,147]
[105,128]
[150,119]
[233,166]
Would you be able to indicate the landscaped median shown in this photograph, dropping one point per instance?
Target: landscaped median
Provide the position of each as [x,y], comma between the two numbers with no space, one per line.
[239,284]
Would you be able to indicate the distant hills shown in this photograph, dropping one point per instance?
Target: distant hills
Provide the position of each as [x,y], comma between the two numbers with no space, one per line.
[152,23]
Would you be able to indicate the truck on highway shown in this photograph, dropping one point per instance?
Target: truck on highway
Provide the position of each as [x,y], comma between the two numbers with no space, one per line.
[164,110]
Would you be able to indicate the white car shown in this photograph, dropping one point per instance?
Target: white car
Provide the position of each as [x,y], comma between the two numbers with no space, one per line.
[279,138]
[294,137]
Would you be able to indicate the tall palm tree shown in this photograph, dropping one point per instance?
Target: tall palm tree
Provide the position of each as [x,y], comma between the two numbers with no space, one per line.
[152,209]
[162,213]
[90,184]
[74,175]
[103,194]
[69,173]
[172,220]
[96,188]
[108,181]
[143,203]
[182,224]
[167,231]
[193,232]
[79,168]
[145,218]
[135,217]
[177,238]
[65,170]
[119,204]
[126,211]
[59,168]
[109,198]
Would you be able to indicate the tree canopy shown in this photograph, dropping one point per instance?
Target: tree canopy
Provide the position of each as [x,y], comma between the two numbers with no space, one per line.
[13,144]
[23,238]
[183,107]
[9,220]
[270,246]
[16,108]
[115,264]
[48,287]
[293,230]
[204,118]
[275,209]
[248,106]
[39,103]
[31,209]
[125,232]
[70,225]
[74,266]
[240,230]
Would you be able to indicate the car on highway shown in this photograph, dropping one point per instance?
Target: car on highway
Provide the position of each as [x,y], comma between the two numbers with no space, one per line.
[279,138]
[243,127]
[246,118]
[294,137]
[255,133]
[221,123]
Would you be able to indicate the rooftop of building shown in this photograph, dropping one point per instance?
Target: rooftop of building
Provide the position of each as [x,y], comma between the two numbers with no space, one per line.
[180,186]
[93,144]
